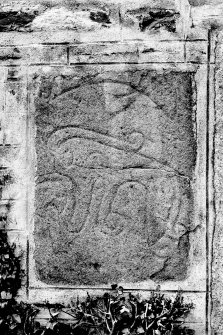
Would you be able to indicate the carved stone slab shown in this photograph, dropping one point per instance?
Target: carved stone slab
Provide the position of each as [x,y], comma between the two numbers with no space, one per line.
[115,160]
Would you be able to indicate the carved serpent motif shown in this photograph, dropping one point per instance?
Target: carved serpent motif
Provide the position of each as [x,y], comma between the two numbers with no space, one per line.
[110,202]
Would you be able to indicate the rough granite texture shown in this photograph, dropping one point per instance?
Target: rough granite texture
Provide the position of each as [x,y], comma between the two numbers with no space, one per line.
[217,247]
[115,158]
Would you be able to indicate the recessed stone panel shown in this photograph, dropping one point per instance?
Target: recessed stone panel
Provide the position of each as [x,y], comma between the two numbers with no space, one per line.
[115,161]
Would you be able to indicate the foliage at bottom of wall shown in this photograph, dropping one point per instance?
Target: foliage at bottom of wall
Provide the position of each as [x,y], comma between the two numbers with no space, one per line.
[115,313]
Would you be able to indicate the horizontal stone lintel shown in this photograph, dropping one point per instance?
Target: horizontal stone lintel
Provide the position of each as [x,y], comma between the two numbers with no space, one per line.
[138,52]
[33,55]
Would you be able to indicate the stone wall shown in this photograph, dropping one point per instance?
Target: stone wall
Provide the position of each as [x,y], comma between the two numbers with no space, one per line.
[111,148]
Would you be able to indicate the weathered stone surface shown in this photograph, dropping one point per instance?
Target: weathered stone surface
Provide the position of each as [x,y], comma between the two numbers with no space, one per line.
[13,147]
[196,53]
[164,19]
[147,52]
[217,247]
[14,20]
[90,21]
[78,15]
[208,16]
[87,15]
[103,53]
[14,116]
[115,158]
[204,2]
[62,18]
[115,149]
[35,54]
[161,52]
[19,239]
[2,105]
[198,2]
[17,4]
[147,18]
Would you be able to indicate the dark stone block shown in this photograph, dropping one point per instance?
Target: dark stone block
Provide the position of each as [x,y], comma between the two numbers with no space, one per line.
[12,21]
[115,160]
[199,2]
[152,19]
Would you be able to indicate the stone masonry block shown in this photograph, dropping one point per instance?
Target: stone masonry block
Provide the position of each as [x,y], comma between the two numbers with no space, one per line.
[146,52]
[33,54]
[14,118]
[78,15]
[13,153]
[196,53]
[115,156]
[148,18]
[217,251]
[161,52]
[104,53]
[217,53]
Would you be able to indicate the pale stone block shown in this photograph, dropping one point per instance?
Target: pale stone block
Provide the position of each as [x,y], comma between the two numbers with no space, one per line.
[47,54]
[204,2]
[163,52]
[15,115]
[2,106]
[61,36]
[217,49]
[208,16]
[217,251]
[148,18]
[104,53]
[33,54]
[196,52]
